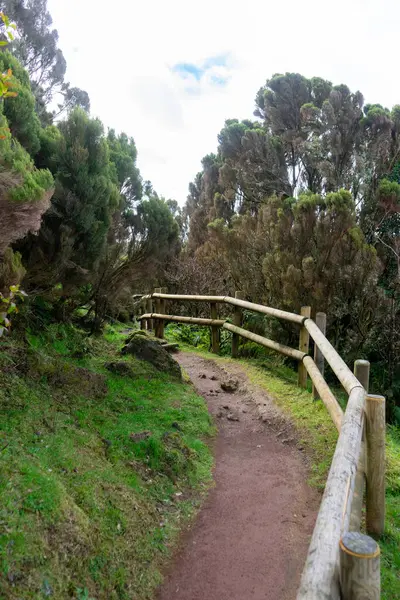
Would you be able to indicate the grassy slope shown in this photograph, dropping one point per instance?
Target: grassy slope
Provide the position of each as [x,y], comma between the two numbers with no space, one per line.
[87,512]
[318,436]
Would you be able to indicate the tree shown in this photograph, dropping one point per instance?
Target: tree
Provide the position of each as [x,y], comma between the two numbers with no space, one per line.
[141,243]
[302,207]
[25,191]
[36,47]
[20,110]
[74,231]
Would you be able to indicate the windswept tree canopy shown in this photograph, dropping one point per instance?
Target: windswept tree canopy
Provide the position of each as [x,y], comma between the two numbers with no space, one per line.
[36,48]
[302,206]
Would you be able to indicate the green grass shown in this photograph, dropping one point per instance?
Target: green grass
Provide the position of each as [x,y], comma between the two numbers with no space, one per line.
[318,436]
[89,511]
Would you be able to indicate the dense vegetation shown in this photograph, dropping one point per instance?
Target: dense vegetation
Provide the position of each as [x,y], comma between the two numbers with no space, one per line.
[78,226]
[98,470]
[302,207]
[299,206]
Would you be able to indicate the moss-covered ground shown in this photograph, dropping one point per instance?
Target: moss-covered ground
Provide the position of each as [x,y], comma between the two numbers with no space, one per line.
[98,472]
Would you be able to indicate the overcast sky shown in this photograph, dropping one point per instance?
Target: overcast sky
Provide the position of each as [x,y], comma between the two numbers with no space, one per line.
[170,72]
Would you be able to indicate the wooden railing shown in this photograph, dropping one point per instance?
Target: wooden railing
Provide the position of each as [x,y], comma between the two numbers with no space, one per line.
[342,563]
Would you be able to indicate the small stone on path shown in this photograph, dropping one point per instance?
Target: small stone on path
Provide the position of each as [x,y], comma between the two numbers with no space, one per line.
[232,416]
[230,385]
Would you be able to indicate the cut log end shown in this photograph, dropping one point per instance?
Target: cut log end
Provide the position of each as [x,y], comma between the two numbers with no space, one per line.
[359,567]
[359,545]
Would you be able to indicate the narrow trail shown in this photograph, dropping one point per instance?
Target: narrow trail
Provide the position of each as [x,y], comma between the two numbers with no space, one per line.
[251,537]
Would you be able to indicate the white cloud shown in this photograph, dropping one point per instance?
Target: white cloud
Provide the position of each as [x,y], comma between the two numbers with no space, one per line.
[123,54]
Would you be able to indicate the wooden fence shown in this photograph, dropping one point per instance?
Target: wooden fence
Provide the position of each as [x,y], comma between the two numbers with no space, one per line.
[342,563]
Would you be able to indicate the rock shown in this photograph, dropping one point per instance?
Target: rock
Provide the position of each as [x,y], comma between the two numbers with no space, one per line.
[143,348]
[170,347]
[139,437]
[202,376]
[136,333]
[230,385]
[232,416]
[214,378]
[119,368]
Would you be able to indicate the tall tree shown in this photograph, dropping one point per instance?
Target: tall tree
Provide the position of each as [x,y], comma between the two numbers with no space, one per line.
[36,47]
[305,206]
[74,231]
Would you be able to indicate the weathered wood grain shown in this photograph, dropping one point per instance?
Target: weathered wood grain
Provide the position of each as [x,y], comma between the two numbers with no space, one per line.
[304,344]
[359,567]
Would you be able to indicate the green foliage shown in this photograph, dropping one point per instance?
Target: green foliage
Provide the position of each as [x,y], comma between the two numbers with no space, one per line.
[6,85]
[20,110]
[36,47]
[302,208]
[9,29]
[11,269]
[123,154]
[8,306]
[190,334]
[159,226]
[99,472]
[30,183]
[74,232]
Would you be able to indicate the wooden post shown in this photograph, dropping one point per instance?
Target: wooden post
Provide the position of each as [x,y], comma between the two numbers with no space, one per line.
[143,322]
[360,577]
[237,320]
[149,309]
[320,320]
[361,371]
[375,435]
[157,310]
[304,344]
[163,311]
[320,579]
[214,330]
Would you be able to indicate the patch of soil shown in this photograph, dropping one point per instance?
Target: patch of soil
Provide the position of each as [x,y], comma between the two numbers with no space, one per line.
[251,537]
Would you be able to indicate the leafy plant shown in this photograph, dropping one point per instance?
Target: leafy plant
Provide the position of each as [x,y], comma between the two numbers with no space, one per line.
[191,335]
[6,82]
[9,28]
[8,306]
[83,594]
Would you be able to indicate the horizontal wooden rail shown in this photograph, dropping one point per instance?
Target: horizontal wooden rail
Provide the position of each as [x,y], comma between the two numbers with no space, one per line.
[339,367]
[188,298]
[354,462]
[192,320]
[260,308]
[320,580]
[265,310]
[324,391]
[259,339]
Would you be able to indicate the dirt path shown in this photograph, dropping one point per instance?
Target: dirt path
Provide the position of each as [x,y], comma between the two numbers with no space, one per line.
[251,537]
